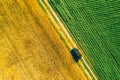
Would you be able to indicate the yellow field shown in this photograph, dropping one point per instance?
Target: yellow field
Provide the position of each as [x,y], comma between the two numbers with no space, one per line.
[30,49]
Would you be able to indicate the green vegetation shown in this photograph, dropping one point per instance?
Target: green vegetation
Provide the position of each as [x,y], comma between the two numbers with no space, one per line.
[95,26]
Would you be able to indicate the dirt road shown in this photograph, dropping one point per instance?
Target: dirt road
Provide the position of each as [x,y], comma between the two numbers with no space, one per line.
[66,37]
[30,49]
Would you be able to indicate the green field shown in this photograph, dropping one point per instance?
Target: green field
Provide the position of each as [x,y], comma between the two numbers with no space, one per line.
[95,26]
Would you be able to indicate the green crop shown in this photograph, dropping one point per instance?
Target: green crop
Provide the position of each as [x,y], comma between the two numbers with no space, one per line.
[95,26]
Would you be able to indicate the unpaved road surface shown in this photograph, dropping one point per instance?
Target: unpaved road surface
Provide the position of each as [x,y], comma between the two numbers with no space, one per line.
[30,49]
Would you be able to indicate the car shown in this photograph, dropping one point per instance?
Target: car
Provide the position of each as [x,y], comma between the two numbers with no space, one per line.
[76,54]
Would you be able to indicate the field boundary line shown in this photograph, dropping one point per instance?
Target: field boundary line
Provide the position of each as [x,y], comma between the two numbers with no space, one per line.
[59,26]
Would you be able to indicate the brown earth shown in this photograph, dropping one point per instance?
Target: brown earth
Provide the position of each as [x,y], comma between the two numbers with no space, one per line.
[30,49]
